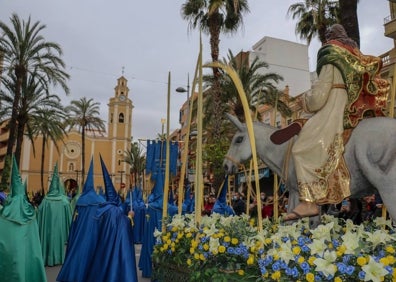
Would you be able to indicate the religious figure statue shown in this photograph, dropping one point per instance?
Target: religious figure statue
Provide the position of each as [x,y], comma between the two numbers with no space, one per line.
[348,89]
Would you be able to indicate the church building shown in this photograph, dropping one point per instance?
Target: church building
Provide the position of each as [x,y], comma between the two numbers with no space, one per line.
[111,145]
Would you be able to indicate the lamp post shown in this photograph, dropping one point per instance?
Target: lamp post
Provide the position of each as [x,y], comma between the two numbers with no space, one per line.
[183,90]
[77,172]
[163,121]
[121,172]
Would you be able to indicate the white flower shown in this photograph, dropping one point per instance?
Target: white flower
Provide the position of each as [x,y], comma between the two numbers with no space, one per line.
[210,231]
[351,242]
[382,222]
[178,221]
[326,264]
[323,231]
[285,251]
[374,271]
[378,237]
[157,233]
[317,246]
[214,245]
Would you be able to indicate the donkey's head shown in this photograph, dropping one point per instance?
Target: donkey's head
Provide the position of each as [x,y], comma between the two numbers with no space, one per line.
[239,150]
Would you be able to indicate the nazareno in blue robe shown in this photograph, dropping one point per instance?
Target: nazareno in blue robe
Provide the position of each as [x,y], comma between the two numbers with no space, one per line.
[83,234]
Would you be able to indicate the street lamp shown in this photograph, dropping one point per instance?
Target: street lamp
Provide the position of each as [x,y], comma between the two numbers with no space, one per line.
[121,172]
[183,90]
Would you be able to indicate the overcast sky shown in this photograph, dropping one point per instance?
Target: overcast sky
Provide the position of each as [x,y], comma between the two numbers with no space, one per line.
[150,39]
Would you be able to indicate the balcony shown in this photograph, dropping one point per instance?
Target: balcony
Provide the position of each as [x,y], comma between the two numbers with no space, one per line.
[390,27]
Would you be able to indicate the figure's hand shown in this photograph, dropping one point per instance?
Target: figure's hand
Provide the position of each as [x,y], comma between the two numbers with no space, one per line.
[131,214]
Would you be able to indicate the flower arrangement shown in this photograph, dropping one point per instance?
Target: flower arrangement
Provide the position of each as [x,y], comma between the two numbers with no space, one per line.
[232,249]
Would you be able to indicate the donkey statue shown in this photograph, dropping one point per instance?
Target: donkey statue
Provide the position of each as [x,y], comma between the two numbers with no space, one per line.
[370,155]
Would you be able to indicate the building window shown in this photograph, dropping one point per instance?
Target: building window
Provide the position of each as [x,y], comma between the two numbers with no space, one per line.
[71,166]
[121,118]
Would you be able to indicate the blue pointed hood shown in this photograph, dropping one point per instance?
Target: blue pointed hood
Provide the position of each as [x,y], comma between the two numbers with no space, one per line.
[110,192]
[16,206]
[89,196]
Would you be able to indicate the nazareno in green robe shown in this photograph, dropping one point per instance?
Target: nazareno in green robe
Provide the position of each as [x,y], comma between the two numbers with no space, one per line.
[54,219]
[20,250]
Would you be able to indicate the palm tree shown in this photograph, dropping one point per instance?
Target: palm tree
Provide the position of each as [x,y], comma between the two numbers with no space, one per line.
[49,124]
[349,20]
[213,17]
[314,17]
[85,115]
[136,159]
[25,51]
[32,105]
[260,87]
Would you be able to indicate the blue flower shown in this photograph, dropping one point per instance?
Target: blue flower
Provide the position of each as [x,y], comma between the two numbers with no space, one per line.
[342,267]
[350,269]
[361,275]
[276,266]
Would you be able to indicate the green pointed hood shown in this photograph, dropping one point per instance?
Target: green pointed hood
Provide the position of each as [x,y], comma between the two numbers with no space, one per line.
[17,207]
[56,188]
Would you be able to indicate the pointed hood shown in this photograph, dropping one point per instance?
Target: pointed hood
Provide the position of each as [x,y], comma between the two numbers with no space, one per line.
[220,205]
[111,193]
[16,206]
[89,196]
[55,189]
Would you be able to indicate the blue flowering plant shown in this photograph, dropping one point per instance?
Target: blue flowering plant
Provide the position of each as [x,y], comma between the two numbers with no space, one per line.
[234,249]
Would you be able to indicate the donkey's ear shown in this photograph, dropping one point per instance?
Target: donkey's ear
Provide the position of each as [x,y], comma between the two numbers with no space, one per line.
[235,121]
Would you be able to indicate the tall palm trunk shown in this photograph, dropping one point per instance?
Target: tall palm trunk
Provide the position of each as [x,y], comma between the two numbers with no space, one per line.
[83,155]
[349,19]
[19,138]
[214,30]
[19,72]
[42,164]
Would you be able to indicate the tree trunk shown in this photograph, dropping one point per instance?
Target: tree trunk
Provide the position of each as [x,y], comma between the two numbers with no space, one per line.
[19,138]
[349,19]
[42,165]
[12,135]
[83,156]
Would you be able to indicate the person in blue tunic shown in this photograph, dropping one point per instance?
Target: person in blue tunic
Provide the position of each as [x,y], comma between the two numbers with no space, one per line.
[83,234]
[114,258]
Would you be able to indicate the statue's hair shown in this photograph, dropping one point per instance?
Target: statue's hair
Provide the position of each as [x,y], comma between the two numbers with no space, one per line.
[339,34]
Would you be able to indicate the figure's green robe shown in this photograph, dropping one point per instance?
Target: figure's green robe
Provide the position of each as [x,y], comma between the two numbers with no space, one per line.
[54,219]
[20,250]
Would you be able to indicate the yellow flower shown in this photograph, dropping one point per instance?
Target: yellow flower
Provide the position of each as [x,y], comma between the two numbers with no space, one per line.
[337,279]
[268,241]
[201,257]
[241,272]
[361,261]
[189,235]
[310,277]
[276,275]
[196,256]
[192,250]
[222,249]
[296,250]
[300,260]
[391,259]
[180,235]
[189,262]
[206,247]
[173,249]
[250,260]
[194,244]
[234,241]
[227,239]
[174,229]
[390,249]
[165,246]
[385,261]
[311,260]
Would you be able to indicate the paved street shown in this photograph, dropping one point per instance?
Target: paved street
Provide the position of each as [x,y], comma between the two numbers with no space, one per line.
[52,272]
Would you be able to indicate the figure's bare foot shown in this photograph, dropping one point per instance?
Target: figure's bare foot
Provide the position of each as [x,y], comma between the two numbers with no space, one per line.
[303,209]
